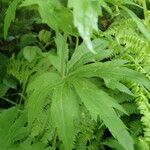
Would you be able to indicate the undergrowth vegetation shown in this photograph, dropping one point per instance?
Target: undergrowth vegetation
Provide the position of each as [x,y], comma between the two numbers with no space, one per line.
[75,75]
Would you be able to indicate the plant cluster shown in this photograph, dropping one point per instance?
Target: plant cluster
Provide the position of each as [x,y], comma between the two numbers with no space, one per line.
[75,75]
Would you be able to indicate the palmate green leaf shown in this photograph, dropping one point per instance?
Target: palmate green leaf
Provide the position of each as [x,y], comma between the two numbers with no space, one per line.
[10,16]
[62,52]
[85,83]
[39,89]
[82,55]
[114,84]
[99,103]
[85,15]
[54,14]
[60,60]
[111,70]
[64,111]
[55,61]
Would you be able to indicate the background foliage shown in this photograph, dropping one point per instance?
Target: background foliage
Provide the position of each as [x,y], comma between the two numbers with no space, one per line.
[74,74]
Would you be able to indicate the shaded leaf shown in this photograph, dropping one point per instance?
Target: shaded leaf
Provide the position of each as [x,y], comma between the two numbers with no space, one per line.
[10,16]
[64,112]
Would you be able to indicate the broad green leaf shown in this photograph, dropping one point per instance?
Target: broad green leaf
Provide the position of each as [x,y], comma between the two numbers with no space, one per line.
[85,15]
[64,112]
[39,88]
[54,14]
[114,84]
[99,103]
[10,16]
[30,52]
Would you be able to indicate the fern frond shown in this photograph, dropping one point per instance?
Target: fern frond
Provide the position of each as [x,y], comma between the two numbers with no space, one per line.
[142,100]
[143,106]
[136,128]
[130,108]
[19,69]
[85,129]
[141,144]
[138,22]
[136,50]
[41,123]
[11,127]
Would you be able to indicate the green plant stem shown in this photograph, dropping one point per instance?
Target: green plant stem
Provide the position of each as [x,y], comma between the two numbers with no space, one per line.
[8,100]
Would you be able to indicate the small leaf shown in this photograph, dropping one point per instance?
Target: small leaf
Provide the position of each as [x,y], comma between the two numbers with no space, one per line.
[44,36]
[30,52]
[27,39]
